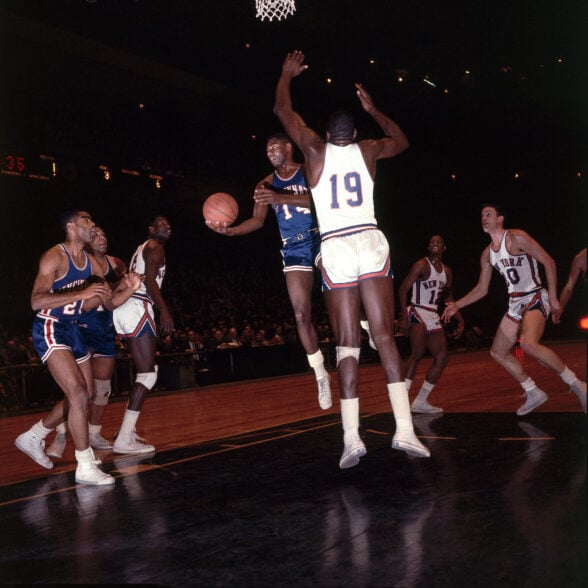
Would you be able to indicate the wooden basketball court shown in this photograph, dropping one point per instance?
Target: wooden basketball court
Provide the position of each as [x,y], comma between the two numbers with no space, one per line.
[245,490]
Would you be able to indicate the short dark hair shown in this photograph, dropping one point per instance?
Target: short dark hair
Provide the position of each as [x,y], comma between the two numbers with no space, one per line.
[340,125]
[280,137]
[69,215]
[497,207]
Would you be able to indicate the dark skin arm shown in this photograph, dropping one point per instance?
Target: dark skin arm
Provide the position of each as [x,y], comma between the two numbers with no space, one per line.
[264,196]
[154,256]
[311,145]
[418,271]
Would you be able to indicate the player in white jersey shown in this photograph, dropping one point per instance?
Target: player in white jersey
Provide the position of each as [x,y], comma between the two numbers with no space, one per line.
[135,321]
[430,280]
[355,253]
[516,255]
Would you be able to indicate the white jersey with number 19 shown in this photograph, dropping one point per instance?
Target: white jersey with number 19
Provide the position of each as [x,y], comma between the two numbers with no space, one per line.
[344,194]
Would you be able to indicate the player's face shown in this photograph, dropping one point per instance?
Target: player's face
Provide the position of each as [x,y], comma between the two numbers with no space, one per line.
[84,227]
[436,245]
[276,152]
[490,219]
[161,229]
[100,242]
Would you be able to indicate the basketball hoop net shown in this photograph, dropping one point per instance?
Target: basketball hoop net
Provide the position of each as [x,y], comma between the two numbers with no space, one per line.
[271,9]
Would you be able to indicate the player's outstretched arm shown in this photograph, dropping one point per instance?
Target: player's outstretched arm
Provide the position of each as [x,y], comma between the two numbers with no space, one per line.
[418,271]
[477,292]
[306,139]
[395,141]
[578,267]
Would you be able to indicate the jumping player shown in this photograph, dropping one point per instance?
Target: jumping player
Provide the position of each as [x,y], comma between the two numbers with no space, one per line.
[431,281]
[285,190]
[516,255]
[355,256]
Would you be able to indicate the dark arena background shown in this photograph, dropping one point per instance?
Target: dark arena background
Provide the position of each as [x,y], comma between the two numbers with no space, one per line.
[128,108]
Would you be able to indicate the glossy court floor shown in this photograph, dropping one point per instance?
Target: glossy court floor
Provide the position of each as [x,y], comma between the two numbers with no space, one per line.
[244,490]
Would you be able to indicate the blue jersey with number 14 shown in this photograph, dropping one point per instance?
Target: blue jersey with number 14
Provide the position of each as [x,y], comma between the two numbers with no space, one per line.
[292,220]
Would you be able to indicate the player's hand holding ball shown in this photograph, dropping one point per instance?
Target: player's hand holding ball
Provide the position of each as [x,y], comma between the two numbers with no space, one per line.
[220,210]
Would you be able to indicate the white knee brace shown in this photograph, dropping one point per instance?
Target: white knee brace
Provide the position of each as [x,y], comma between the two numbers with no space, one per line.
[343,352]
[147,379]
[103,389]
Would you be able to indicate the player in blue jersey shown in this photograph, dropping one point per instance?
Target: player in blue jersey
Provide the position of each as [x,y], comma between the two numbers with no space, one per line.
[516,256]
[285,191]
[355,254]
[61,293]
[97,332]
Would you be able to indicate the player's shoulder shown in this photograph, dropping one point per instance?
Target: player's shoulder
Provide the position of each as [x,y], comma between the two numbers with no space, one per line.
[422,266]
[57,253]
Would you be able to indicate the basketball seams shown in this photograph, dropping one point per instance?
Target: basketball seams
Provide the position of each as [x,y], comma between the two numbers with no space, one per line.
[220,207]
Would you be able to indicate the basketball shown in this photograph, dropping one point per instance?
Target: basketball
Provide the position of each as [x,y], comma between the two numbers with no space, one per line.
[220,207]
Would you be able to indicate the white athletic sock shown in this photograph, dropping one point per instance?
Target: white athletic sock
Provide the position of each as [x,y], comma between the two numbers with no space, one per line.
[317,362]
[85,456]
[408,384]
[39,430]
[61,429]
[528,384]
[94,429]
[568,376]
[128,424]
[350,417]
[424,391]
[400,405]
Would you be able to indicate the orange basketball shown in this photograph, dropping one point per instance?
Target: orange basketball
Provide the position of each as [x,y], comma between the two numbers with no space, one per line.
[220,207]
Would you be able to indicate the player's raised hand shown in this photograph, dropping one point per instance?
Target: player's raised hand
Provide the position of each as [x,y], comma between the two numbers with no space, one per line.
[294,64]
[364,97]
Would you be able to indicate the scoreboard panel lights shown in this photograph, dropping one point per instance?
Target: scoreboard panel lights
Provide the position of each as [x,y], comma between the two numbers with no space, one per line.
[40,167]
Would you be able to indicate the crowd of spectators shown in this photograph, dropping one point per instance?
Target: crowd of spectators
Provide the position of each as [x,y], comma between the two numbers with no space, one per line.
[225,308]
[212,310]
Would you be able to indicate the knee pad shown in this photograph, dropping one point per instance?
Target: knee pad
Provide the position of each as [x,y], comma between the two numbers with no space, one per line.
[147,379]
[103,389]
[343,352]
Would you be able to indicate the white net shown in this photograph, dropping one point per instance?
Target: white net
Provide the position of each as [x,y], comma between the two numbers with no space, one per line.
[271,9]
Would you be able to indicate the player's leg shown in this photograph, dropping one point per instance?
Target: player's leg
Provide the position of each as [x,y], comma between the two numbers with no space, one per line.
[343,308]
[143,352]
[377,296]
[300,284]
[102,368]
[99,388]
[533,326]
[501,352]
[417,335]
[437,345]
[72,378]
